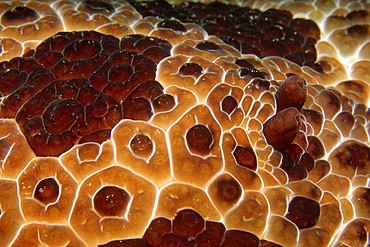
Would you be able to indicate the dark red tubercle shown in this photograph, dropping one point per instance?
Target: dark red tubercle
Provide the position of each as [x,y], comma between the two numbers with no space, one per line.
[250,31]
[172,24]
[154,48]
[207,46]
[76,86]
[20,79]
[189,229]
[303,212]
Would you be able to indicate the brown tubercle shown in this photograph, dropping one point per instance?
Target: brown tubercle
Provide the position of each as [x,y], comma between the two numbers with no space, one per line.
[111,201]
[292,93]
[19,15]
[191,69]
[303,212]
[225,192]
[47,191]
[199,139]
[106,224]
[188,223]
[141,145]
[281,129]
[246,157]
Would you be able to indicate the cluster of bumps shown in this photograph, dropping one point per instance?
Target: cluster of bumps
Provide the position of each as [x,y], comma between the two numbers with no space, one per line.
[157,124]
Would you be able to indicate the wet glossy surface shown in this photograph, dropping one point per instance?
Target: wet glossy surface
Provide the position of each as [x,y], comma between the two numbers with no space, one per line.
[184,124]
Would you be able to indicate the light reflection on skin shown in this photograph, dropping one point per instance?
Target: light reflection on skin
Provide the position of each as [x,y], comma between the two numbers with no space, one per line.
[347,61]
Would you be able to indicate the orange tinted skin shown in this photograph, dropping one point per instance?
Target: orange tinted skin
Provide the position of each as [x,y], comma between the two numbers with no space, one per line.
[242,128]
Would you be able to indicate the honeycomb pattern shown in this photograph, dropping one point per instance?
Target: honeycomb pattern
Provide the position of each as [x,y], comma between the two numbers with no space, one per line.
[172,123]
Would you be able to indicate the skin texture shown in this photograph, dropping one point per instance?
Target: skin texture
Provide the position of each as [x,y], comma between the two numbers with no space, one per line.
[153,124]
